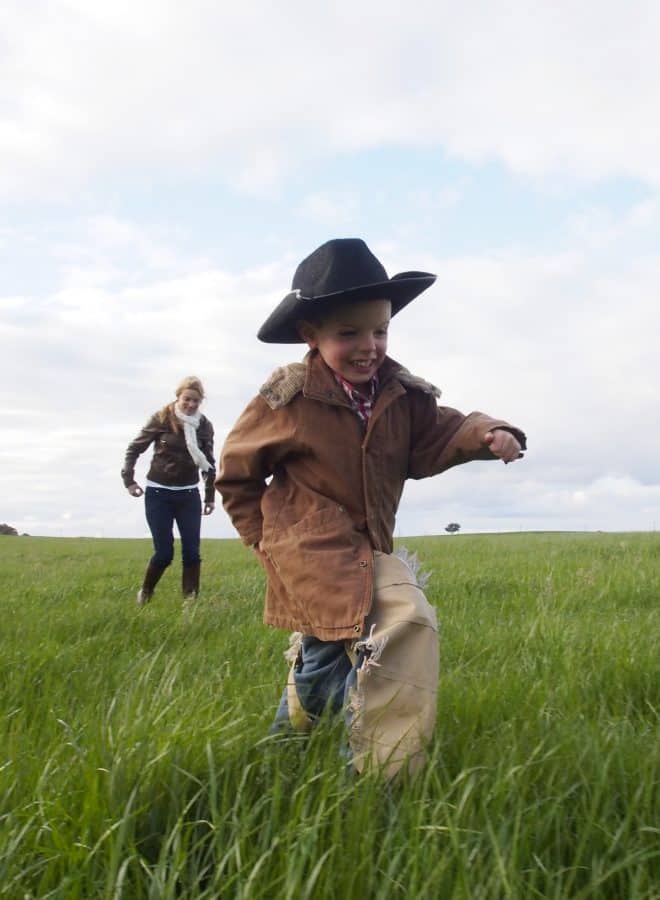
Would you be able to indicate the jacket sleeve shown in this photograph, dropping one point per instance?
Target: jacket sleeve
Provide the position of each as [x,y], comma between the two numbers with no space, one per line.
[443,437]
[260,439]
[137,446]
[206,446]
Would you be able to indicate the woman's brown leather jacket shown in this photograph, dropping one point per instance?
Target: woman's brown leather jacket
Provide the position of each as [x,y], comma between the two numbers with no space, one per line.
[171,464]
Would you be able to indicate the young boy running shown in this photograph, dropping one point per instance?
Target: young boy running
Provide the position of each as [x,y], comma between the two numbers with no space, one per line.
[338,435]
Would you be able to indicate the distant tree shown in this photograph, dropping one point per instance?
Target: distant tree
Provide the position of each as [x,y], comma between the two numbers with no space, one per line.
[7,529]
[453,527]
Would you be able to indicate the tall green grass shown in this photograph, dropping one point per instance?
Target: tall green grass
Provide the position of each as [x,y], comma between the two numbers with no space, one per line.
[135,761]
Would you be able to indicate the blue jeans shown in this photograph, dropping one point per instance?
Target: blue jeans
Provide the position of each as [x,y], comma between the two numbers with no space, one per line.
[321,675]
[163,508]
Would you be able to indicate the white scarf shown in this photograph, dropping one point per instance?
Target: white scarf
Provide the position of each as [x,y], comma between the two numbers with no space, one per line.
[190,426]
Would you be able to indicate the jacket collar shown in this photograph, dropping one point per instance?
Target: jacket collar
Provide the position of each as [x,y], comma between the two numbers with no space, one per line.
[320,382]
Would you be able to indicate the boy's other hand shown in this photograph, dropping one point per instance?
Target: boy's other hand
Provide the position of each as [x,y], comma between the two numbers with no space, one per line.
[503,445]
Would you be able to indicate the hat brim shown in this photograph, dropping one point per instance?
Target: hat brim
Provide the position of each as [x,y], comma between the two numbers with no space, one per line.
[281,326]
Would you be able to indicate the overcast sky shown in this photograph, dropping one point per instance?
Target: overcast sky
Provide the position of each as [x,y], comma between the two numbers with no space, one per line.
[164,166]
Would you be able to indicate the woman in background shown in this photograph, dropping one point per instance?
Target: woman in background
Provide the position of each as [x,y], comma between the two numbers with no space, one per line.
[183,444]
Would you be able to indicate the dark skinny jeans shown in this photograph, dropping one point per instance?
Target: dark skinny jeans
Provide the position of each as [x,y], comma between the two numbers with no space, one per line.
[163,508]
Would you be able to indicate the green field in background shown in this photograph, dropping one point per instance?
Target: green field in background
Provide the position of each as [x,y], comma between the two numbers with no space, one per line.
[135,761]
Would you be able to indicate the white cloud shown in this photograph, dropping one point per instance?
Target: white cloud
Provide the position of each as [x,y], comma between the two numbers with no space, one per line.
[331,209]
[253,92]
[486,497]
[562,344]
[560,339]
[600,228]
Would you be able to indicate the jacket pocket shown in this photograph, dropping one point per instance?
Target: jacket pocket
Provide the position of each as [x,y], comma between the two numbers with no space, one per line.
[325,565]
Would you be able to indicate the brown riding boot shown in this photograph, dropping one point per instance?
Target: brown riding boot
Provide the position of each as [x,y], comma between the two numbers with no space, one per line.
[151,579]
[190,581]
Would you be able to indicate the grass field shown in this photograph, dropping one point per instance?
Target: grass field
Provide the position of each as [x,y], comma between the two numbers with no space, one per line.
[134,761]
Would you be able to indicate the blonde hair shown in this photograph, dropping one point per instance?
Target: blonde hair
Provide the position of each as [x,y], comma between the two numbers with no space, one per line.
[189,383]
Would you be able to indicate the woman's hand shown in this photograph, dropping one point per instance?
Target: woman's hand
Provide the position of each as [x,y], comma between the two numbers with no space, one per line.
[135,490]
[208,508]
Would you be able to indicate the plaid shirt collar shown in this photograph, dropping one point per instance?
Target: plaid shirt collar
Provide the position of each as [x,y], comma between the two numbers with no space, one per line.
[360,404]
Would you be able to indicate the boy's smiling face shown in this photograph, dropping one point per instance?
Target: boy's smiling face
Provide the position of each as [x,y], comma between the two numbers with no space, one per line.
[352,340]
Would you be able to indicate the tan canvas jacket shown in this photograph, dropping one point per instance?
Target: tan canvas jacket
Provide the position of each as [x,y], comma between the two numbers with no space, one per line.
[335,489]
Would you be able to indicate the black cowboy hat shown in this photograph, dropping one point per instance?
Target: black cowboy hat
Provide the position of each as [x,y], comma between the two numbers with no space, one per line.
[338,272]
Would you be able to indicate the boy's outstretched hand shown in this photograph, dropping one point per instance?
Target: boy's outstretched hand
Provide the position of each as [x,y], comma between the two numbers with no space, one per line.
[503,445]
